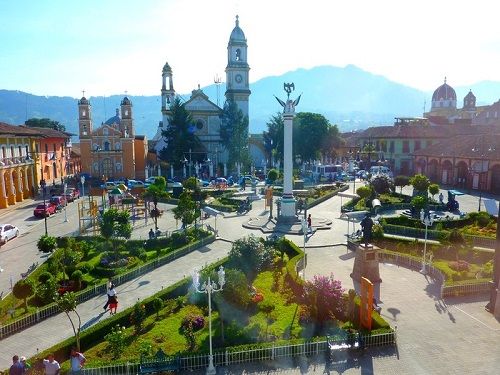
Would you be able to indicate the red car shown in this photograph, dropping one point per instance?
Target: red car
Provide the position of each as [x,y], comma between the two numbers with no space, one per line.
[44,210]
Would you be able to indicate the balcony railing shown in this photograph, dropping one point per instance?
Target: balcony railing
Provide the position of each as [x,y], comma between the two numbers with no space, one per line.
[17,160]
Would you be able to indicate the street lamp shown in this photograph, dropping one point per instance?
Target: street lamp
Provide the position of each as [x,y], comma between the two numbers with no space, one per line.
[82,181]
[427,220]
[351,157]
[43,184]
[209,287]
[304,232]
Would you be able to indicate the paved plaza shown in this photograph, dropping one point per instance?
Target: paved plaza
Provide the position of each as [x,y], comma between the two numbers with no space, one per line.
[435,336]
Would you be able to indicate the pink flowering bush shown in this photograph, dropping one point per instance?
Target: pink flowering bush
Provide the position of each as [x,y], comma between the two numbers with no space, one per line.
[323,296]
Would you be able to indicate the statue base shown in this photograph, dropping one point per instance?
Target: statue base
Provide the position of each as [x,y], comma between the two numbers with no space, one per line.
[288,209]
[366,264]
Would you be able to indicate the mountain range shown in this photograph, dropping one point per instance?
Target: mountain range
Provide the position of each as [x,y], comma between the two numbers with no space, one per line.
[348,96]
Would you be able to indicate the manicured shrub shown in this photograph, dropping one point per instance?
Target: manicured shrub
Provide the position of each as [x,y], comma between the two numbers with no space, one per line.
[77,276]
[44,277]
[138,316]
[459,266]
[47,244]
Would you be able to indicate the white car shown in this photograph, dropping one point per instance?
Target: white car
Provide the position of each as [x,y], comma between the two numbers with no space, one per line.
[8,232]
[135,184]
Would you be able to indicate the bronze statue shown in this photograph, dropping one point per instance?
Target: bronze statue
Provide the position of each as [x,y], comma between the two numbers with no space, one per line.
[367,227]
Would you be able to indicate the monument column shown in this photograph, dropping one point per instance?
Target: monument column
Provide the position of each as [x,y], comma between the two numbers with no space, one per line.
[288,201]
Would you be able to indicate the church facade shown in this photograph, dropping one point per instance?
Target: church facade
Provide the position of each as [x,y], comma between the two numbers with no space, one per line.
[112,150]
[205,113]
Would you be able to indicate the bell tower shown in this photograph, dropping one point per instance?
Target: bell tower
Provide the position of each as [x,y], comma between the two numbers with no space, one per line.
[84,118]
[167,92]
[126,120]
[237,70]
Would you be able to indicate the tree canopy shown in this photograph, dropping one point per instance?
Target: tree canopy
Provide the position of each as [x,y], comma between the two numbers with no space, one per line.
[234,133]
[179,136]
[115,223]
[44,123]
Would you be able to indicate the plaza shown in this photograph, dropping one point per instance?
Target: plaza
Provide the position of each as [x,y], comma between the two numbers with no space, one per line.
[434,335]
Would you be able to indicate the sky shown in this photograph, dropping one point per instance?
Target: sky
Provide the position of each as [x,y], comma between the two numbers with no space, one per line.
[105,47]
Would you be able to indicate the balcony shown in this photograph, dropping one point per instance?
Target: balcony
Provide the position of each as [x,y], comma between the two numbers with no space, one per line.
[15,161]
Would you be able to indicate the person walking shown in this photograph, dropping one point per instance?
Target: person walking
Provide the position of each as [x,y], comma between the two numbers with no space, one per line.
[309,224]
[52,367]
[113,304]
[110,293]
[17,367]
[77,360]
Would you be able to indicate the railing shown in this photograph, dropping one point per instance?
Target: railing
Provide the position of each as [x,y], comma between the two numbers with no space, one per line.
[233,355]
[15,161]
[479,241]
[464,289]
[96,290]
[413,232]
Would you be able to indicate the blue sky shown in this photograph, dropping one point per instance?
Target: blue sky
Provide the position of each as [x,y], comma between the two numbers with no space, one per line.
[57,47]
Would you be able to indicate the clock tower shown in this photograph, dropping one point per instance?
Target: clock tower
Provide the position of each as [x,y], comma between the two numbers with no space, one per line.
[237,84]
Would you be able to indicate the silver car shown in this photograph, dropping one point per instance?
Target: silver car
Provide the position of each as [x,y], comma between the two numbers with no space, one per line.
[8,232]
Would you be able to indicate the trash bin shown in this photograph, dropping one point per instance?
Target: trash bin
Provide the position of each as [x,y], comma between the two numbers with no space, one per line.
[177,190]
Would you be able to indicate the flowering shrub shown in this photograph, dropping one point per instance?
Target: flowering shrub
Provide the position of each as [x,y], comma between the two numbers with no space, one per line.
[116,340]
[459,266]
[196,322]
[324,294]
[257,297]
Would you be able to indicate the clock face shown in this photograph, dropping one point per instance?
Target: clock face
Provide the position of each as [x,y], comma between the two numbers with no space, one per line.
[238,78]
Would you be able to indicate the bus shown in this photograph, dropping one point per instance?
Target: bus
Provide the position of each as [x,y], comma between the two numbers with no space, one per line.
[328,171]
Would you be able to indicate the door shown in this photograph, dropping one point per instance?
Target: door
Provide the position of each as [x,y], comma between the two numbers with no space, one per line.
[475,181]
[444,179]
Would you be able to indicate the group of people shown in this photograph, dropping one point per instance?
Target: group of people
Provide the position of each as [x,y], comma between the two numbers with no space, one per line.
[51,367]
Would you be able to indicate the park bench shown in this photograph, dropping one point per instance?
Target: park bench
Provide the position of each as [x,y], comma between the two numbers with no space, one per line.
[30,270]
[160,362]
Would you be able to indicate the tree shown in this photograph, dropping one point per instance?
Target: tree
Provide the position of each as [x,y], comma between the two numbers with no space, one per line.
[23,289]
[115,223]
[324,295]
[381,184]
[179,136]
[157,305]
[234,133]
[419,202]
[44,123]
[433,189]
[401,181]
[77,277]
[155,192]
[67,304]
[420,183]
[46,244]
[186,209]
[273,175]
[137,316]
[250,255]
[273,137]
[364,192]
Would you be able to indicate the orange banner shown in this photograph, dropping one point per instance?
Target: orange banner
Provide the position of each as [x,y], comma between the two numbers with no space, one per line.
[366,307]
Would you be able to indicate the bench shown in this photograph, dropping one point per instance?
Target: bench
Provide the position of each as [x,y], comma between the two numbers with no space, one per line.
[158,363]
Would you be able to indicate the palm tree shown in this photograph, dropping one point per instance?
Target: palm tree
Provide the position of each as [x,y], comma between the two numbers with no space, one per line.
[155,192]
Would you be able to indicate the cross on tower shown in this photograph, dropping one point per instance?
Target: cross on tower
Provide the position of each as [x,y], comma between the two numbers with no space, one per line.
[83,93]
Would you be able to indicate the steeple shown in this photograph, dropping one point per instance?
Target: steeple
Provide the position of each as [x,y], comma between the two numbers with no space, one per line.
[84,117]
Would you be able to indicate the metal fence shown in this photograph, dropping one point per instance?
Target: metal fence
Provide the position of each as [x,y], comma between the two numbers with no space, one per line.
[478,241]
[233,355]
[460,290]
[84,295]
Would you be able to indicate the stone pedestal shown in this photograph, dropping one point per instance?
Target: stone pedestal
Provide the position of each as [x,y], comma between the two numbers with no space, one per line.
[288,209]
[366,264]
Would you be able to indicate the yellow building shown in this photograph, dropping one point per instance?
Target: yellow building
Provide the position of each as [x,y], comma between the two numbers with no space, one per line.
[17,167]
[112,150]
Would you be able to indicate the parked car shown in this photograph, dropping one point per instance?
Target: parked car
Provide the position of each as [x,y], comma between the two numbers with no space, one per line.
[8,232]
[248,180]
[135,184]
[202,183]
[149,181]
[59,201]
[72,194]
[108,185]
[43,210]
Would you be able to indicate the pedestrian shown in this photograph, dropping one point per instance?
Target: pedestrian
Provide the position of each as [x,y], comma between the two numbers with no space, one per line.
[17,367]
[110,292]
[151,234]
[113,304]
[52,367]
[77,360]
[309,224]
[26,365]
[441,198]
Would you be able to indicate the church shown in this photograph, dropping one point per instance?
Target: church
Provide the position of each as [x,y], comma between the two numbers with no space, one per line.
[205,113]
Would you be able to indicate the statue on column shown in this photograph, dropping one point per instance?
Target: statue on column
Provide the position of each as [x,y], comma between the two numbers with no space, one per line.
[289,106]
[367,227]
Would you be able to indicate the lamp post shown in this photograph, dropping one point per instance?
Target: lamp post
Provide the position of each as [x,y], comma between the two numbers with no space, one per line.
[481,169]
[82,181]
[426,219]
[351,153]
[65,185]
[304,233]
[43,185]
[209,287]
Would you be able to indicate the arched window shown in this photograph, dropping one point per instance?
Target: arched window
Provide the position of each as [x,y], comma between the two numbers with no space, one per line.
[118,167]
[96,167]
[105,131]
[238,54]
[118,146]
[106,146]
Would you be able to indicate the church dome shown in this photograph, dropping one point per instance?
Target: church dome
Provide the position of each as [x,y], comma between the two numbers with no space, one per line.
[237,35]
[444,92]
[115,119]
[126,101]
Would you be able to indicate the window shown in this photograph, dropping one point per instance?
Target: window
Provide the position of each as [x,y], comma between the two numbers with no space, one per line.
[199,124]
[238,54]
[406,146]
[105,131]
[55,169]
[20,150]
[84,113]
[4,153]
[96,167]
[118,146]
[11,151]
[391,146]
[106,146]
[118,167]
[126,112]
[417,146]
[26,147]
